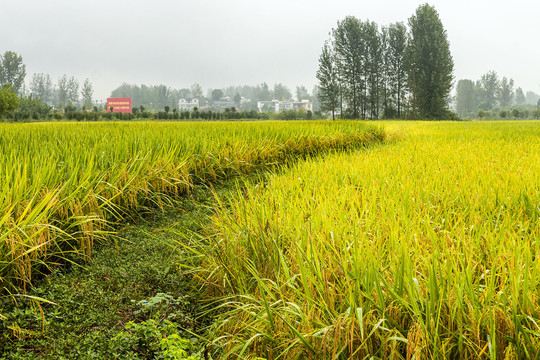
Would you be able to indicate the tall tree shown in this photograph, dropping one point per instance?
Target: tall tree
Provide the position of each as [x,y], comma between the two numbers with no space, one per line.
[350,63]
[282,92]
[73,90]
[396,71]
[465,98]
[315,98]
[385,92]
[196,91]
[520,96]
[262,93]
[62,91]
[184,93]
[430,64]
[217,94]
[237,99]
[490,85]
[506,92]
[328,89]
[87,92]
[41,86]
[373,65]
[8,99]
[160,96]
[532,97]
[302,93]
[12,70]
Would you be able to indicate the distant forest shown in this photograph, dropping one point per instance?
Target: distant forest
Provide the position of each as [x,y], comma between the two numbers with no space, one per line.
[245,97]
[366,71]
[493,97]
[43,98]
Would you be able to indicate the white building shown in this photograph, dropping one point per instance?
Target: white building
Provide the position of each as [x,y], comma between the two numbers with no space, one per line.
[224,103]
[303,105]
[278,106]
[188,104]
[266,105]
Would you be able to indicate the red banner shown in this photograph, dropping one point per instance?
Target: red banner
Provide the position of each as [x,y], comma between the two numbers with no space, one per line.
[122,105]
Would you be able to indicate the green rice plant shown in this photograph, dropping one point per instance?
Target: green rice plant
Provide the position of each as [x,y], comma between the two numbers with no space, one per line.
[423,249]
[64,185]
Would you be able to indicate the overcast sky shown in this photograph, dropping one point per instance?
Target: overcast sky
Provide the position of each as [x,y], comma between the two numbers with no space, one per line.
[237,42]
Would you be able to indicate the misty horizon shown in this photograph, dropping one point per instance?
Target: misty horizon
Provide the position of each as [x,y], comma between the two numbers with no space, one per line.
[245,43]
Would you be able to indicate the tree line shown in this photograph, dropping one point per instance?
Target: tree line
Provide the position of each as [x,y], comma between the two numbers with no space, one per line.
[494,97]
[42,94]
[65,99]
[46,99]
[41,86]
[368,71]
[66,91]
[12,74]
[245,97]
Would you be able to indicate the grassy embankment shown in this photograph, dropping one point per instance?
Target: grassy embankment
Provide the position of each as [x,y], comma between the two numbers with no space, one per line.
[425,249]
[66,184]
[130,301]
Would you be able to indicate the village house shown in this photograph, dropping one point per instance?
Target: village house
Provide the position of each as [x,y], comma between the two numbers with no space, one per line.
[277,106]
[188,104]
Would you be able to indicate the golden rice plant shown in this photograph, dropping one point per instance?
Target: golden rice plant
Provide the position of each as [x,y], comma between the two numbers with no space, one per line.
[423,249]
[65,184]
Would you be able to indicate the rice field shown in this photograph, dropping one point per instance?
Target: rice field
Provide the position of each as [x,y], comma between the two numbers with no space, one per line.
[66,184]
[426,248]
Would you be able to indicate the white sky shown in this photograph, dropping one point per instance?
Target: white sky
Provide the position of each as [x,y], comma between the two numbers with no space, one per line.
[237,42]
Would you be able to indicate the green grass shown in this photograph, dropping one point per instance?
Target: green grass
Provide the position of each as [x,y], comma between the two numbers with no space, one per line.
[125,303]
[425,249]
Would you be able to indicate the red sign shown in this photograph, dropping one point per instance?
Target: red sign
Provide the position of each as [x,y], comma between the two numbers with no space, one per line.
[122,105]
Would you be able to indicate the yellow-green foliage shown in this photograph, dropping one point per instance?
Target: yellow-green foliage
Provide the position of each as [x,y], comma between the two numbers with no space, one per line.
[423,249]
[63,183]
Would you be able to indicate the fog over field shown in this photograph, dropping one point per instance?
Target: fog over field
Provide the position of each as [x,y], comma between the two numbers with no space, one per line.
[216,44]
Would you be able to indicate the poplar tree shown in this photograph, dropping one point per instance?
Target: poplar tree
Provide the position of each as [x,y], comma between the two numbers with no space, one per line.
[373,65]
[62,91]
[87,92]
[12,70]
[489,84]
[465,98]
[328,89]
[506,92]
[73,90]
[396,70]
[350,63]
[41,86]
[67,91]
[520,96]
[430,64]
